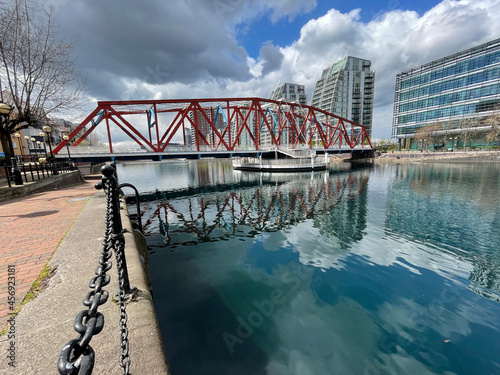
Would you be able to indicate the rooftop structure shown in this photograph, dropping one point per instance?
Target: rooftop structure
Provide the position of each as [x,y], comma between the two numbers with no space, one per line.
[290,92]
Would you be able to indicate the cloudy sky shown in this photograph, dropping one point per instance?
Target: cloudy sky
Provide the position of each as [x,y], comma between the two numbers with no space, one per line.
[237,48]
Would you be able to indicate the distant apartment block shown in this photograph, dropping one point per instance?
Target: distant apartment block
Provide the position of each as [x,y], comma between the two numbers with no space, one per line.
[245,141]
[188,139]
[446,93]
[205,130]
[290,92]
[346,90]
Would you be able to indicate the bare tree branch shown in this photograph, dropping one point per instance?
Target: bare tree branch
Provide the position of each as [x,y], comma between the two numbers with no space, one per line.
[467,128]
[36,66]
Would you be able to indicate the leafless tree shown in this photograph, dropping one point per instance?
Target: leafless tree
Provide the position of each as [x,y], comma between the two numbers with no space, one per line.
[37,75]
[385,145]
[429,135]
[93,139]
[467,128]
[493,122]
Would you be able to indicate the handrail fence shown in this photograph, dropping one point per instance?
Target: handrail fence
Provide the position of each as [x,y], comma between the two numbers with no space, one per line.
[36,171]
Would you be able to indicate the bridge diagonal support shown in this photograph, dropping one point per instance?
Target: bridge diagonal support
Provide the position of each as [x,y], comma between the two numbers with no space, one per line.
[252,124]
[109,133]
[133,130]
[78,129]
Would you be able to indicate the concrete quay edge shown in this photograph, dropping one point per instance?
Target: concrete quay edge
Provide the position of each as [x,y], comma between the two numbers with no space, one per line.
[456,157]
[45,324]
[141,311]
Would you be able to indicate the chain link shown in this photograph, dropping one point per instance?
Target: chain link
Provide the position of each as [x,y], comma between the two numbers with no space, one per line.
[77,356]
[124,344]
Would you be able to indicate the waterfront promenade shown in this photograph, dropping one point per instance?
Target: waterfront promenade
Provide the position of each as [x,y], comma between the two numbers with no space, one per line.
[476,156]
[32,227]
[62,229]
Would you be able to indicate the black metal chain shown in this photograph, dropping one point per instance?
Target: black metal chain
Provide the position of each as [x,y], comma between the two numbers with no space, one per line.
[77,356]
[121,266]
[124,344]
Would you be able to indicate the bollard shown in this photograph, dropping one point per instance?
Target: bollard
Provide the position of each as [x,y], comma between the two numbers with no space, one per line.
[109,174]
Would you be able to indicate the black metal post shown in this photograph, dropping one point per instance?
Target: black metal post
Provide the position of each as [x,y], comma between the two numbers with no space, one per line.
[28,147]
[52,160]
[67,148]
[7,175]
[16,173]
[109,174]
[20,147]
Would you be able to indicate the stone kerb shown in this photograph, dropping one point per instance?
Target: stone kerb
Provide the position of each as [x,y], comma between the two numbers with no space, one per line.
[146,345]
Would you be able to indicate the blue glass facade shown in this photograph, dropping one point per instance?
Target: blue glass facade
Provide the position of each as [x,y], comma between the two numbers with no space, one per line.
[445,91]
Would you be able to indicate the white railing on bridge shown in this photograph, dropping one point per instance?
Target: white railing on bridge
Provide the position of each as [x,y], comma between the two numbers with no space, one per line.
[279,162]
[300,150]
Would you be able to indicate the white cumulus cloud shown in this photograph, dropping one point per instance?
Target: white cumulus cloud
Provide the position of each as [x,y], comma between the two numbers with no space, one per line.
[189,49]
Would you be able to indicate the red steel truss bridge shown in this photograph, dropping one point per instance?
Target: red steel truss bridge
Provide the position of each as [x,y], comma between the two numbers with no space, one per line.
[223,127]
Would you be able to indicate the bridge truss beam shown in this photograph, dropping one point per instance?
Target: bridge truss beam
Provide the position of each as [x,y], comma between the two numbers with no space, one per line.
[224,124]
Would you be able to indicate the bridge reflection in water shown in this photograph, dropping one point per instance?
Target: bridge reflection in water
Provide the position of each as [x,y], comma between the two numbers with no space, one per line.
[245,211]
[367,264]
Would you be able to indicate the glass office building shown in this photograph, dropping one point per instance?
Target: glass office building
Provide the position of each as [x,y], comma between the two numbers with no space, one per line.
[463,88]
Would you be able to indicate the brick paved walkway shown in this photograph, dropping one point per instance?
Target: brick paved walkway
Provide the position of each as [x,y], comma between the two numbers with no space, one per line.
[31,228]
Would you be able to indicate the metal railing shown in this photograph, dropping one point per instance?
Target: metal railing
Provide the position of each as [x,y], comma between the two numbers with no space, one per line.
[100,150]
[36,171]
[280,162]
[77,356]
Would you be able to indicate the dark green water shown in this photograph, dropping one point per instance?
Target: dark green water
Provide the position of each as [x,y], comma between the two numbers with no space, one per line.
[389,270]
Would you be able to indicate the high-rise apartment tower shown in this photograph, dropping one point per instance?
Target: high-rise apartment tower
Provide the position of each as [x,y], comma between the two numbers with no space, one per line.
[346,90]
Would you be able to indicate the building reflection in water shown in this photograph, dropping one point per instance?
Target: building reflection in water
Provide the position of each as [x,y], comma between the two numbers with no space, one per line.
[451,207]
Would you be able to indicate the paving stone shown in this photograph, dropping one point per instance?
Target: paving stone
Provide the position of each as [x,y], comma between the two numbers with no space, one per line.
[31,228]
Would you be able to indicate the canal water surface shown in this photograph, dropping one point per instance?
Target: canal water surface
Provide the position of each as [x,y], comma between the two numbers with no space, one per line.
[392,269]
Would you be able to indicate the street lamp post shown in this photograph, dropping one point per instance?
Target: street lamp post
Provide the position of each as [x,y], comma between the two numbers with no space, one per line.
[47,129]
[66,139]
[42,134]
[27,138]
[5,110]
[38,143]
[18,136]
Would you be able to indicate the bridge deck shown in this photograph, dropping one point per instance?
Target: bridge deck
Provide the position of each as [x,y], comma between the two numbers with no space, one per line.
[156,156]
